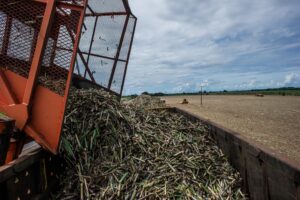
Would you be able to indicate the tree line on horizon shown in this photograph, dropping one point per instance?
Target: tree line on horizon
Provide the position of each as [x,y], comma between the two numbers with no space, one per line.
[284,91]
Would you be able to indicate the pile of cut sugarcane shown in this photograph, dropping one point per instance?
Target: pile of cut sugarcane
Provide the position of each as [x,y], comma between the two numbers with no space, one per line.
[116,151]
[146,101]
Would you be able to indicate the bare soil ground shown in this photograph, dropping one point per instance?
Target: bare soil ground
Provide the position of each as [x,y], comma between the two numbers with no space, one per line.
[271,120]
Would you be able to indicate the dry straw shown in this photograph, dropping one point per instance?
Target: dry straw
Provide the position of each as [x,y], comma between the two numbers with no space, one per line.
[116,151]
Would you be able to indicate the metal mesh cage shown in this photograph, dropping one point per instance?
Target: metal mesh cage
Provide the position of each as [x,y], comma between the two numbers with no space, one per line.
[19,27]
[106,6]
[74,2]
[39,41]
[39,49]
[59,49]
[105,43]
[104,47]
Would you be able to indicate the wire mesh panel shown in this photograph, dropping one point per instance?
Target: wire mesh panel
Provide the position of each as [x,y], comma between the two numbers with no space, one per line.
[106,6]
[3,17]
[127,38]
[39,42]
[107,36]
[20,24]
[39,46]
[74,2]
[60,47]
[101,69]
[105,43]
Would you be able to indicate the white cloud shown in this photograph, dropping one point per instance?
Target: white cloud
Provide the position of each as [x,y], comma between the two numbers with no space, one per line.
[192,40]
[292,79]
[190,86]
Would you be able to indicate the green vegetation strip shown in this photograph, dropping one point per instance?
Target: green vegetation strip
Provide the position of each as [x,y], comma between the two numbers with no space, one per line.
[116,151]
[286,91]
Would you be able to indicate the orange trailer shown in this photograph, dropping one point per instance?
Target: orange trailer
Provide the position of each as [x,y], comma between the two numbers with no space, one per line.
[46,46]
[39,49]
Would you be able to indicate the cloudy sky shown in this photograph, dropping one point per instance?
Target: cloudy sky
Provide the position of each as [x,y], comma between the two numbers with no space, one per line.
[221,44]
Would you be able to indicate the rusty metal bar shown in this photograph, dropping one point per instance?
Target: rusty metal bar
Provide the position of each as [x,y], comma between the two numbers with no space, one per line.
[105,57]
[92,54]
[91,44]
[128,55]
[4,86]
[126,6]
[106,14]
[53,50]
[118,52]
[41,1]
[77,67]
[86,66]
[37,58]
[89,7]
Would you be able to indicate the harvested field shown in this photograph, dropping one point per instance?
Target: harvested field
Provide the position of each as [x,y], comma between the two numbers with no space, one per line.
[270,120]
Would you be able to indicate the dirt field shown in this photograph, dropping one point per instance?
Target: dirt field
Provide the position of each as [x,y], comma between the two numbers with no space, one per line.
[271,120]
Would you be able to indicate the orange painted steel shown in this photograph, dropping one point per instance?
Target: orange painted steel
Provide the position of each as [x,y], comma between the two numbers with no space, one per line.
[11,153]
[39,43]
[38,110]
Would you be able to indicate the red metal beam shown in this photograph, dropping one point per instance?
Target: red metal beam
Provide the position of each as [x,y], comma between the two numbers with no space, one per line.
[4,85]
[38,54]
[77,67]
[66,5]
[105,57]
[53,50]
[86,66]
[41,1]
[89,7]
[106,14]
[126,6]
[5,89]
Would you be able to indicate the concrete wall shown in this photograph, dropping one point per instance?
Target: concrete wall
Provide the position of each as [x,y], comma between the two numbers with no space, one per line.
[265,175]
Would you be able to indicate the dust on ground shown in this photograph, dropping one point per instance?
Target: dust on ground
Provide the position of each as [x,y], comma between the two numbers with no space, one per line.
[271,120]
